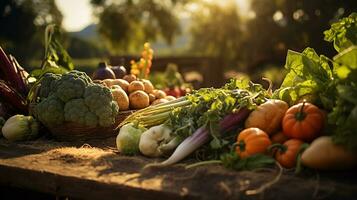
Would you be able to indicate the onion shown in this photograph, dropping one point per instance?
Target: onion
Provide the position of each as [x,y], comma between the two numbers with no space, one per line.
[119,71]
[103,72]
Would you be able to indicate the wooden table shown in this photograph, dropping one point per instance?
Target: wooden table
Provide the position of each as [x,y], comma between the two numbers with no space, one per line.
[96,171]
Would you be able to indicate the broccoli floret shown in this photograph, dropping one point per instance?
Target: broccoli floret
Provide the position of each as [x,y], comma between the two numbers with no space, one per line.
[50,111]
[71,85]
[95,96]
[83,75]
[100,101]
[48,83]
[76,111]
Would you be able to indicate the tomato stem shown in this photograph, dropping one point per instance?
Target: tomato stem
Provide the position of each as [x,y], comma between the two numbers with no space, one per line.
[301,115]
[299,166]
[280,147]
[241,146]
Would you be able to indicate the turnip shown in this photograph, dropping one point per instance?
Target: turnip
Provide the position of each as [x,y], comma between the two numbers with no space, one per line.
[323,154]
[157,141]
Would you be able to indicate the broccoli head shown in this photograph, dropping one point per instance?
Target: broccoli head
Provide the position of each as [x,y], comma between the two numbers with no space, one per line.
[99,99]
[48,83]
[50,111]
[71,85]
[76,111]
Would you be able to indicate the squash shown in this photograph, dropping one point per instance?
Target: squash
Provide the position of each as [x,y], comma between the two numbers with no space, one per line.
[278,137]
[252,141]
[287,153]
[303,121]
[323,154]
[268,116]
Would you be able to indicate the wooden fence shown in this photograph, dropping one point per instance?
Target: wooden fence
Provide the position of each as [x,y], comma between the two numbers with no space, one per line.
[211,69]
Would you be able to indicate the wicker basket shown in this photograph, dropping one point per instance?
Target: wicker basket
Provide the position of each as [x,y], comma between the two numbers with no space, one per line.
[73,132]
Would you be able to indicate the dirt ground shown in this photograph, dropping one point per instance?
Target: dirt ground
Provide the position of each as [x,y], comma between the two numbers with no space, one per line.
[97,164]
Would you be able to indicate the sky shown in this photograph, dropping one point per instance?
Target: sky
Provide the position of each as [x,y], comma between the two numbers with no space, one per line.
[77,14]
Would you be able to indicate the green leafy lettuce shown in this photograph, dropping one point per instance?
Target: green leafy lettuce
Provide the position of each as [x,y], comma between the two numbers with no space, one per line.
[343,33]
[329,83]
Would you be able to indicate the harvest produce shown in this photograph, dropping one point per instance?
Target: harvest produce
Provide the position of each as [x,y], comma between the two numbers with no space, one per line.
[303,121]
[103,72]
[73,97]
[120,97]
[252,141]
[128,138]
[207,121]
[268,116]
[287,153]
[323,154]
[157,141]
[119,71]
[20,127]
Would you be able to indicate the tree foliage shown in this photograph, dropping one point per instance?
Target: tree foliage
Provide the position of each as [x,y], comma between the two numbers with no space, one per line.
[127,24]
[217,31]
[22,25]
[279,25]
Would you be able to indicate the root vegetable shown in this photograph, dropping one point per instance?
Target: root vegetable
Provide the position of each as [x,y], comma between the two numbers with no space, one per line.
[128,139]
[153,139]
[170,98]
[159,101]
[152,98]
[323,154]
[129,78]
[122,83]
[120,97]
[267,116]
[135,86]
[159,94]
[138,100]
[20,127]
[148,87]
[108,82]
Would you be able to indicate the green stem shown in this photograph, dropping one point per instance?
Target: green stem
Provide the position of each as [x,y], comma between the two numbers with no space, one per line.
[208,162]
[301,115]
[299,166]
[282,148]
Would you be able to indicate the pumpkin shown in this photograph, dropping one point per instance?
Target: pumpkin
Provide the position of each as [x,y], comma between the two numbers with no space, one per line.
[303,121]
[279,137]
[267,116]
[287,153]
[252,141]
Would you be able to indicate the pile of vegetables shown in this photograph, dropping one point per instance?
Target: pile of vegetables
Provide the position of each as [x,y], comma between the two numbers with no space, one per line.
[73,97]
[132,93]
[309,121]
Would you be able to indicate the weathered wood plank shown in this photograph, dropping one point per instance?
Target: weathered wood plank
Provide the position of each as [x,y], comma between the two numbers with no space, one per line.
[65,169]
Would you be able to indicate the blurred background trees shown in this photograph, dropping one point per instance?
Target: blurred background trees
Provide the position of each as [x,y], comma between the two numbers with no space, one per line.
[22,24]
[243,41]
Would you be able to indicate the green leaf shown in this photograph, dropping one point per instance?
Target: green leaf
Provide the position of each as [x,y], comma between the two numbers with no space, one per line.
[348,57]
[232,161]
[308,75]
[343,33]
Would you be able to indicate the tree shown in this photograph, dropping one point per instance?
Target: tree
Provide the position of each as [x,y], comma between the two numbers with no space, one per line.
[279,25]
[217,31]
[22,25]
[126,25]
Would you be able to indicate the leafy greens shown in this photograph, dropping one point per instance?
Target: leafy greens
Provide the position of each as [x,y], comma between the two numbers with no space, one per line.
[329,83]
